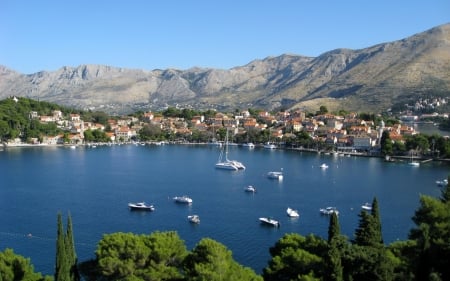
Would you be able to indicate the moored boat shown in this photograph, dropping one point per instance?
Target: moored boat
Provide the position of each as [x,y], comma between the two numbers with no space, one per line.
[250,188]
[292,213]
[324,166]
[194,219]
[275,175]
[183,199]
[329,211]
[270,221]
[443,182]
[366,206]
[142,206]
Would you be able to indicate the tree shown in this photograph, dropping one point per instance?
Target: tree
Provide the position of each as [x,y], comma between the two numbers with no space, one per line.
[386,144]
[72,259]
[369,231]
[62,268]
[295,256]
[432,236]
[15,267]
[127,256]
[66,258]
[212,261]
[336,244]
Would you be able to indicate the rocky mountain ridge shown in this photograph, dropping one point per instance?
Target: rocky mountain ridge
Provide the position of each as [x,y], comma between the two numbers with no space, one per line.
[373,78]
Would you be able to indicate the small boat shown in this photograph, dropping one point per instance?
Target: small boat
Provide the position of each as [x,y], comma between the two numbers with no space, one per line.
[275,175]
[194,219]
[270,221]
[442,182]
[141,206]
[250,188]
[183,199]
[367,207]
[292,213]
[249,145]
[324,166]
[329,211]
[269,145]
[414,164]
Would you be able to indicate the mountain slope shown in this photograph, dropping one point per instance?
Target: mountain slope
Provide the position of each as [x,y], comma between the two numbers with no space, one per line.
[373,78]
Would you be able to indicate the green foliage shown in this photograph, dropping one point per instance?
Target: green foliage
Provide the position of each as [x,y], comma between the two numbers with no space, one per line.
[62,267]
[432,235]
[66,257]
[15,267]
[386,144]
[295,256]
[126,256]
[212,261]
[15,120]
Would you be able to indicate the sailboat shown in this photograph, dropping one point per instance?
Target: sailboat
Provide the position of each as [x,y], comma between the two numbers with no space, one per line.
[225,163]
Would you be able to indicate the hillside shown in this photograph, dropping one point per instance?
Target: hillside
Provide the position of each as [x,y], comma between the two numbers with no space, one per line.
[374,78]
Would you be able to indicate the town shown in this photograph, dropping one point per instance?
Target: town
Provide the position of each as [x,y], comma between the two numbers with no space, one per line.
[345,132]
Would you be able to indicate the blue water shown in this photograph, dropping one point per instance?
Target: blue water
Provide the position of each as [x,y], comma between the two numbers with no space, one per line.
[95,185]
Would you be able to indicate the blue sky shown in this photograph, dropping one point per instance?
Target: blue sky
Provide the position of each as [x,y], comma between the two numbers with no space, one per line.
[145,34]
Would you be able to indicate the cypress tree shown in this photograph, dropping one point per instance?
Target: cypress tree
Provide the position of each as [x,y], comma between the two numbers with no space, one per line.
[445,194]
[334,255]
[377,235]
[70,251]
[333,228]
[62,272]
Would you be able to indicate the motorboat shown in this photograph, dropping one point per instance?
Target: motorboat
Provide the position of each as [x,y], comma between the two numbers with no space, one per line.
[250,188]
[270,221]
[183,199]
[366,206]
[443,182]
[194,219]
[249,145]
[141,206]
[329,211]
[269,145]
[323,166]
[292,213]
[414,163]
[275,175]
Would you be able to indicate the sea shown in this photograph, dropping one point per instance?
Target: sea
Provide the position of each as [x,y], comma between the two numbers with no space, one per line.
[95,184]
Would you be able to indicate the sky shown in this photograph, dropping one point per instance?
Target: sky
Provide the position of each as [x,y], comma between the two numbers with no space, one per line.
[159,34]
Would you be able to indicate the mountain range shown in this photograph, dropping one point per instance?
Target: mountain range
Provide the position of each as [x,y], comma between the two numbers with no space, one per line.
[372,79]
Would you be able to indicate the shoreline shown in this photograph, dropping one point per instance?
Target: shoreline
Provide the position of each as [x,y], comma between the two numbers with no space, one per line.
[392,158]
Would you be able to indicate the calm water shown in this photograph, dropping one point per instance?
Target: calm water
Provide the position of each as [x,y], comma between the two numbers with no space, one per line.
[95,185]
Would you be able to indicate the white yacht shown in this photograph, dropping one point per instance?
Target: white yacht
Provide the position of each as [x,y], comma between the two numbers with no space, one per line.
[141,206]
[324,166]
[183,199]
[292,213]
[366,206]
[270,221]
[225,163]
[275,175]
[250,188]
[249,145]
[194,219]
[329,211]
[269,145]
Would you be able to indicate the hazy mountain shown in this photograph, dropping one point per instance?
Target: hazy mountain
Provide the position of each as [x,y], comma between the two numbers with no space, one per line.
[369,79]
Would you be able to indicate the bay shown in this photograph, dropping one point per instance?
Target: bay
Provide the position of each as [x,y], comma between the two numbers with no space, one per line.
[95,185]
